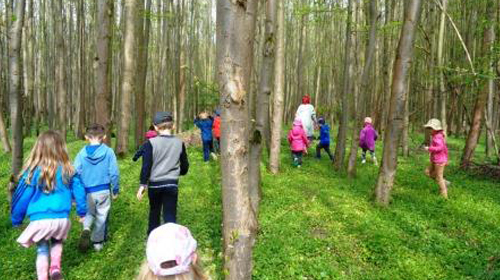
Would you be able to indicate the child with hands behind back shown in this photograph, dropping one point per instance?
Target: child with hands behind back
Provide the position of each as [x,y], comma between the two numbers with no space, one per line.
[47,184]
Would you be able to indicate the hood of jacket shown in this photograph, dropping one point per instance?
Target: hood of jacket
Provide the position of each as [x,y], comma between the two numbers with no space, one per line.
[96,156]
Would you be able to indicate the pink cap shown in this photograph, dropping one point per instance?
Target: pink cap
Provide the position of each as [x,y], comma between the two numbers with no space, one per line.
[170,243]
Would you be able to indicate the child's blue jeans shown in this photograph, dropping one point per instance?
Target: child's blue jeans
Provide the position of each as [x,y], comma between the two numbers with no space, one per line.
[163,198]
[207,148]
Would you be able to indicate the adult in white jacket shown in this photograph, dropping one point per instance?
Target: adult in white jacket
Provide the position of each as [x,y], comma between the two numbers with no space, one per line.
[307,115]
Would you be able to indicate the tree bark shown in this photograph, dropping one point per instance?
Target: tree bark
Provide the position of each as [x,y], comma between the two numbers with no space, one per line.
[130,43]
[15,64]
[235,36]
[60,73]
[440,58]
[482,95]
[279,83]
[397,105]
[82,89]
[104,65]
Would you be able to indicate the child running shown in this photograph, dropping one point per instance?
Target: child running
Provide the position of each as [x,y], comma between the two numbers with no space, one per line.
[97,166]
[171,255]
[46,187]
[204,123]
[164,160]
[324,139]
[438,156]
[151,133]
[367,138]
[298,142]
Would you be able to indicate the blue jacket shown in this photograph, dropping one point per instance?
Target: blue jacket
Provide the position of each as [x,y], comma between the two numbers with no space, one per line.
[324,134]
[31,200]
[205,125]
[97,166]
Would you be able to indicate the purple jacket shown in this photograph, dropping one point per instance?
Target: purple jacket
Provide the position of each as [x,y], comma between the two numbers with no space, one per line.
[367,137]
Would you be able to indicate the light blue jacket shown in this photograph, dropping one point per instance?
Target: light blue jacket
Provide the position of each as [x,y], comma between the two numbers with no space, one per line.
[30,199]
[98,168]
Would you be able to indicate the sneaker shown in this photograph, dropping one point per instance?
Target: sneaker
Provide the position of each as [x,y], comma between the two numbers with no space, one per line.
[214,156]
[56,275]
[363,161]
[84,243]
[299,166]
[98,246]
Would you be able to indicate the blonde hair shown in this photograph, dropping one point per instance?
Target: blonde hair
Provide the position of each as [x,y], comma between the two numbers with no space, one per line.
[48,153]
[195,273]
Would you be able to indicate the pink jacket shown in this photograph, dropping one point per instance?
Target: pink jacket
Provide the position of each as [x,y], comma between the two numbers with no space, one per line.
[151,134]
[438,149]
[297,137]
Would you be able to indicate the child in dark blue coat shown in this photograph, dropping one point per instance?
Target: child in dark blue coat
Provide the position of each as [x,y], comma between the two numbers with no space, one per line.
[324,139]
[205,123]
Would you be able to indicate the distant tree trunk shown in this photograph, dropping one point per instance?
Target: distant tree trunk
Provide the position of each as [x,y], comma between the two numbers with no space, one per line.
[130,43]
[406,123]
[235,36]
[82,89]
[142,71]
[279,83]
[347,87]
[3,134]
[365,89]
[440,58]
[15,71]
[60,74]
[104,63]
[397,105]
[258,135]
[482,95]
[182,84]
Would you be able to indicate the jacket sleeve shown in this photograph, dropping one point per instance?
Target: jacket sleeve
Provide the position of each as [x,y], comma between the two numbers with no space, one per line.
[78,163]
[437,145]
[361,136]
[139,153]
[376,135]
[313,114]
[114,172]
[21,200]
[197,122]
[184,162]
[147,163]
[79,194]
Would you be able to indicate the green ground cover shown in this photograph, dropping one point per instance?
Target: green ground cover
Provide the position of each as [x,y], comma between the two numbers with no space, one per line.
[314,224]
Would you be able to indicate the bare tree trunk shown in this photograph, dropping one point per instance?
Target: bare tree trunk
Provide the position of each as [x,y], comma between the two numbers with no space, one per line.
[3,134]
[482,95]
[258,134]
[15,71]
[398,98]
[82,89]
[130,43]
[182,83]
[279,83]
[347,87]
[104,64]
[235,36]
[60,74]
[440,58]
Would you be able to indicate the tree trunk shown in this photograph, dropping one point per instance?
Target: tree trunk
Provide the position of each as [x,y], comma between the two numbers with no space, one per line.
[397,105]
[104,65]
[279,83]
[60,73]
[182,84]
[482,95]
[82,89]
[3,135]
[235,36]
[258,134]
[440,58]
[15,94]
[130,43]
[347,87]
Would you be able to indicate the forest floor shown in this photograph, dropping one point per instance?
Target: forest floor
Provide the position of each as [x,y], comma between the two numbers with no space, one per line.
[314,224]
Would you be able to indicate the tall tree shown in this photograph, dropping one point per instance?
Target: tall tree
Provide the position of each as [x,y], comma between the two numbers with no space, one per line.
[482,95]
[259,132]
[279,85]
[394,128]
[235,36]
[16,109]
[60,72]
[103,60]
[128,87]
[440,58]
[82,78]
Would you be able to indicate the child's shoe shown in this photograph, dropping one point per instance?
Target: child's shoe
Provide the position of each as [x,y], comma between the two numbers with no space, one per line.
[98,246]
[363,161]
[214,156]
[56,275]
[84,243]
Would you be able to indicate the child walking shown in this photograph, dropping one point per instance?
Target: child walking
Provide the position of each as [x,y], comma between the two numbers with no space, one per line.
[438,151]
[44,193]
[367,138]
[98,169]
[324,139]
[216,130]
[151,133]
[164,160]
[171,255]
[298,142]
[205,123]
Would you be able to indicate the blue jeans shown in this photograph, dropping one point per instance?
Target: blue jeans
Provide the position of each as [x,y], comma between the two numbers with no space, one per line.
[163,198]
[207,148]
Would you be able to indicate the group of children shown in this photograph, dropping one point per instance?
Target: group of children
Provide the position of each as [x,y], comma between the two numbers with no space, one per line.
[438,150]
[49,183]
